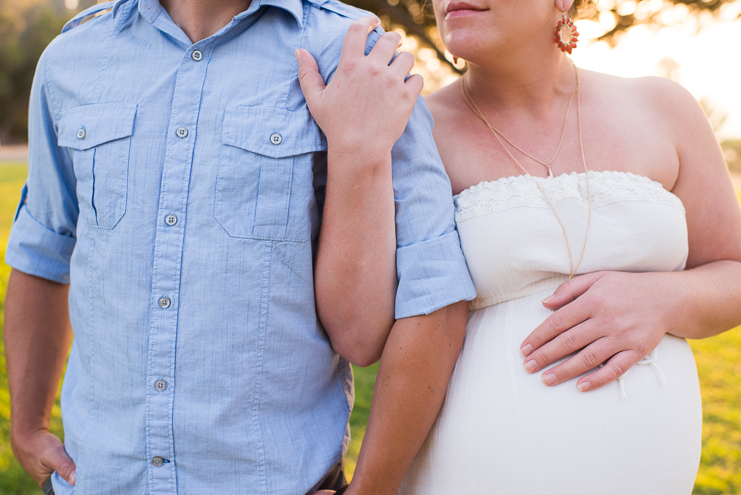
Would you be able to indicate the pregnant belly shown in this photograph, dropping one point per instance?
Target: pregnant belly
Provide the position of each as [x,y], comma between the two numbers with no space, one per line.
[501,431]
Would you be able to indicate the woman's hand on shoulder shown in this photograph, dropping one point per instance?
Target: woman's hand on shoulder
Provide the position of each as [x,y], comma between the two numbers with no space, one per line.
[367,103]
[613,319]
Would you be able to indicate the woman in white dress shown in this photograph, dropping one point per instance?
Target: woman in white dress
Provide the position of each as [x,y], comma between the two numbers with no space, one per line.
[601,230]
[654,224]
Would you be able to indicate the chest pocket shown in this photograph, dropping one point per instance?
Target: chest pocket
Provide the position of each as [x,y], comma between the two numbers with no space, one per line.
[264,179]
[99,138]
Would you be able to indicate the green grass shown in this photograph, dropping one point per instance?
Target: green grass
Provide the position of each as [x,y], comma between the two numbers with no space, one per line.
[718,363]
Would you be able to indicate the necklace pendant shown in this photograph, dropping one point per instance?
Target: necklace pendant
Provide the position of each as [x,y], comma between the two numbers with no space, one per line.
[550,172]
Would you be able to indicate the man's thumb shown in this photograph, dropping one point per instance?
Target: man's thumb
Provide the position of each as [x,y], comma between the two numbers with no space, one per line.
[63,465]
[311,81]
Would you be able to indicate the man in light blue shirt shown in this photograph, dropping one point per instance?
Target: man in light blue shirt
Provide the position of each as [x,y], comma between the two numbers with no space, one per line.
[176,191]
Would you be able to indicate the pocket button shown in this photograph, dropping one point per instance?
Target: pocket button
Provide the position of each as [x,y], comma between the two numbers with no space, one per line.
[81,134]
[276,138]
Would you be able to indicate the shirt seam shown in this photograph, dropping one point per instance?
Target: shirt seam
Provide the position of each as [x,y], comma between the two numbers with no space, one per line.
[115,29]
[57,110]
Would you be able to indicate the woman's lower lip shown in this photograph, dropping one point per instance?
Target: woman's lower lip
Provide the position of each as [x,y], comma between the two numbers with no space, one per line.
[462,13]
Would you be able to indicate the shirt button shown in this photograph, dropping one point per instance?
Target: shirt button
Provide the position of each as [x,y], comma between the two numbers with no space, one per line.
[276,138]
[158,461]
[160,385]
[196,55]
[81,134]
[171,219]
[164,302]
[181,132]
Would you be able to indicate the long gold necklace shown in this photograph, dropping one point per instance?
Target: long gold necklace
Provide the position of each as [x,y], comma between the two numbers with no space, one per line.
[465,92]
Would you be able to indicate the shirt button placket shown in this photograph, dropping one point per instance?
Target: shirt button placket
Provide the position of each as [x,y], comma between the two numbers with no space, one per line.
[186,100]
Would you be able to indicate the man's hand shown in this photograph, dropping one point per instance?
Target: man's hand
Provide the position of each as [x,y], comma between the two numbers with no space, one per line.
[366,105]
[604,317]
[41,453]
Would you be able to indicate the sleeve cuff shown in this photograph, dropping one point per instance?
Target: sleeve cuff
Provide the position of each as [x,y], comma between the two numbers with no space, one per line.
[36,250]
[432,274]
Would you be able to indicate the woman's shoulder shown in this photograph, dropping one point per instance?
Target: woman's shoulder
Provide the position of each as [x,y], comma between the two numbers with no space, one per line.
[442,101]
[658,98]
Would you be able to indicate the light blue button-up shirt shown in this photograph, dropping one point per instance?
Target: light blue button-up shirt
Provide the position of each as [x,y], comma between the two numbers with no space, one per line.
[180,194]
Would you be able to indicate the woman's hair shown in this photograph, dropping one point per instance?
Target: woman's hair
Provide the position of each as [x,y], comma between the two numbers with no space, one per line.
[581,9]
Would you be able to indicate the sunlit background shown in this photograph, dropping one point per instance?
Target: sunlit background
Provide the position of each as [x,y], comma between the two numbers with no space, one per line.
[694,42]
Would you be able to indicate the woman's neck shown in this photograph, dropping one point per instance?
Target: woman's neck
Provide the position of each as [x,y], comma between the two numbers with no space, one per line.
[528,82]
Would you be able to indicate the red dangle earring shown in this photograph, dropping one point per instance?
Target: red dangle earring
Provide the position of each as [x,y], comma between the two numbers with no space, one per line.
[566,24]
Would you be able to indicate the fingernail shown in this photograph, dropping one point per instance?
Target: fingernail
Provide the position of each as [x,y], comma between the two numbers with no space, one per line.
[526,350]
[297,54]
[548,378]
[72,478]
[584,386]
[531,365]
[547,299]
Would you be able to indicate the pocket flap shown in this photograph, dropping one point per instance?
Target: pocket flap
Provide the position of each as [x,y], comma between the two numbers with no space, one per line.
[272,132]
[85,127]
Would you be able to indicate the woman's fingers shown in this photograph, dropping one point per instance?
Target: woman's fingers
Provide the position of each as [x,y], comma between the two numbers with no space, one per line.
[402,64]
[356,39]
[613,369]
[311,81]
[585,360]
[557,323]
[566,343]
[385,48]
[415,83]
[569,291]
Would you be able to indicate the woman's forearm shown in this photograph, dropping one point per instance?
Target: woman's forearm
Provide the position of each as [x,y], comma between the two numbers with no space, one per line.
[412,381]
[710,300]
[355,272]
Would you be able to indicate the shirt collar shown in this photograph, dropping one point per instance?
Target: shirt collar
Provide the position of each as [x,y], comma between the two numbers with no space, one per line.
[150,9]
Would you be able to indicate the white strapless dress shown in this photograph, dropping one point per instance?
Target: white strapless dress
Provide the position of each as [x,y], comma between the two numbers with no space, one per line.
[500,430]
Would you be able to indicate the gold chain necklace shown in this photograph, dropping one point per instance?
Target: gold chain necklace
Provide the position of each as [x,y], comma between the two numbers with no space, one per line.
[465,92]
[499,133]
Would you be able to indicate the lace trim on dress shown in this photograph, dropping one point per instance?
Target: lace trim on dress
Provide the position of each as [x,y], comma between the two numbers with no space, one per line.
[608,187]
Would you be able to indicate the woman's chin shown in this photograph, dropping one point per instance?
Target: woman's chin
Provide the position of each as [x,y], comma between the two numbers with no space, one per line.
[466,45]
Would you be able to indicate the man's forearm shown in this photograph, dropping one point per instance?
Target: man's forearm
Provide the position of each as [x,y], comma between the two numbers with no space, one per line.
[355,272]
[37,334]
[413,377]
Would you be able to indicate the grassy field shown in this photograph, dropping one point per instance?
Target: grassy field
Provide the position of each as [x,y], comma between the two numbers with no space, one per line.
[718,362]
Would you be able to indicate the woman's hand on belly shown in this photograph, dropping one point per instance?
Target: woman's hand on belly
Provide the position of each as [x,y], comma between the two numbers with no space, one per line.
[614,318]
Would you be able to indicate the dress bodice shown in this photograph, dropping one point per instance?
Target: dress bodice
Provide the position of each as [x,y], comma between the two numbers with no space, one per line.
[514,245]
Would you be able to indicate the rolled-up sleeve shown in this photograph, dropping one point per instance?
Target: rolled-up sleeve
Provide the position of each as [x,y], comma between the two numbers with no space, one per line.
[430,265]
[43,234]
